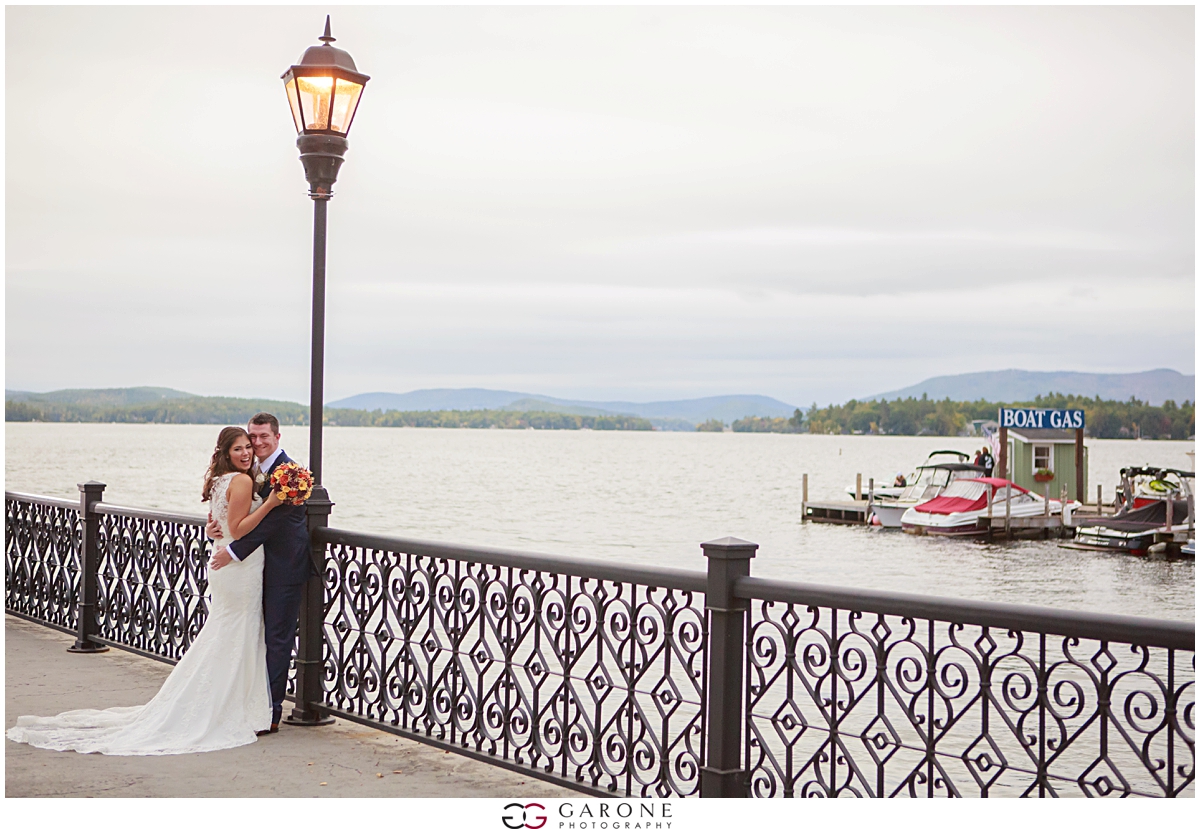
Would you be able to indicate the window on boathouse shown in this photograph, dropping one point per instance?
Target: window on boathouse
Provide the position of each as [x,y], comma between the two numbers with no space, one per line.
[1042,457]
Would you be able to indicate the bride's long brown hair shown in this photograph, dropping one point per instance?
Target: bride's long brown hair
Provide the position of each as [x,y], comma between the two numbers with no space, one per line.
[220,463]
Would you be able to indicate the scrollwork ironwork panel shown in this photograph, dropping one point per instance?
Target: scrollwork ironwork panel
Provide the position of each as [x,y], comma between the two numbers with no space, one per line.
[599,682]
[152,576]
[866,704]
[41,557]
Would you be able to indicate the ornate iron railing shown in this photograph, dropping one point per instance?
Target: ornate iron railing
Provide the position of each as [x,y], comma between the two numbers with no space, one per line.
[866,693]
[152,577]
[577,672]
[642,681]
[41,560]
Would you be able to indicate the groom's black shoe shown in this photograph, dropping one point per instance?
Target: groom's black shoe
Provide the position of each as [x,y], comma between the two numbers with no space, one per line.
[274,729]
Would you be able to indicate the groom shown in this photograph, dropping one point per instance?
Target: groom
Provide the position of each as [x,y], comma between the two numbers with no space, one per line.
[283,535]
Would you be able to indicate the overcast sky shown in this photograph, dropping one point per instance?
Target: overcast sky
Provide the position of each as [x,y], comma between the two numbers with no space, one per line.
[603,203]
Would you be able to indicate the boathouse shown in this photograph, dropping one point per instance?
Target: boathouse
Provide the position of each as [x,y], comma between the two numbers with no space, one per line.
[1036,452]
[1032,455]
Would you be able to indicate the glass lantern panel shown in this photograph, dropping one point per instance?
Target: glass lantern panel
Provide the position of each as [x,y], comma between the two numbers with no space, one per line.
[294,101]
[315,94]
[344,103]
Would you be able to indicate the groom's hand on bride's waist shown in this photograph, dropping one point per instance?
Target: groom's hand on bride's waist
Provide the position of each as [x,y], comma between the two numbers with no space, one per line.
[220,558]
[213,528]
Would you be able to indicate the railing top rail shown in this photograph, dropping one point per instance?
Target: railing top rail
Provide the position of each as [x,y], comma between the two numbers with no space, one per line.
[670,578]
[41,499]
[104,508]
[1134,630]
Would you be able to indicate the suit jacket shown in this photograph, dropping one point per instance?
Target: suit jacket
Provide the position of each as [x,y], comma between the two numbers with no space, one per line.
[283,535]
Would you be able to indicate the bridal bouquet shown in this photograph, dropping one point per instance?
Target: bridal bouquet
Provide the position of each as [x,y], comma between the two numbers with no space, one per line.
[292,483]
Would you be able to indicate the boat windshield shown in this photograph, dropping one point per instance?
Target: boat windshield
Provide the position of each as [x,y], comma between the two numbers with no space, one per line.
[937,477]
[969,490]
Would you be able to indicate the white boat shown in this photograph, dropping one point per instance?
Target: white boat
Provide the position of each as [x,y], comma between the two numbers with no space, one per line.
[892,492]
[930,481]
[958,509]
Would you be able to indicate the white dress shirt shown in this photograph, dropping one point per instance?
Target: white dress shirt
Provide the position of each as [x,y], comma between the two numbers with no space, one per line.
[263,466]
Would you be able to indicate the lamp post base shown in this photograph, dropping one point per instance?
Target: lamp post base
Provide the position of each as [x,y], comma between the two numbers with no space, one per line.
[298,717]
[87,647]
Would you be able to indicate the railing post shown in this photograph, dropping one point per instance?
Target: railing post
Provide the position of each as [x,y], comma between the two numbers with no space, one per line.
[310,652]
[89,569]
[722,774]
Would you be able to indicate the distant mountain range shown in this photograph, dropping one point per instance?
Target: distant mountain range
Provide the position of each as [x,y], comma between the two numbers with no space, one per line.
[1153,387]
[166,405]
[97,397]
[664,414]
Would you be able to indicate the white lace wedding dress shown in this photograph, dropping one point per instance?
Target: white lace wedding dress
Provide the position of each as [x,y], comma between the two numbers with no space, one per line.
[217,696]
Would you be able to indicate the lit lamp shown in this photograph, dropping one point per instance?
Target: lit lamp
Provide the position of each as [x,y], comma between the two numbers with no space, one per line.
[323,91]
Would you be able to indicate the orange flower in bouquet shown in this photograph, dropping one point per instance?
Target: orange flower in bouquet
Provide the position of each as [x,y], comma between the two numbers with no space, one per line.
[292,483]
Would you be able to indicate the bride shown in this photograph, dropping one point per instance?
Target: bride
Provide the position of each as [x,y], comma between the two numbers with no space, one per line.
[218,695]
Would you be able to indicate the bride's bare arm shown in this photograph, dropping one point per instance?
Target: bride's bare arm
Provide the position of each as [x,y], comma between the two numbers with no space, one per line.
[241,520]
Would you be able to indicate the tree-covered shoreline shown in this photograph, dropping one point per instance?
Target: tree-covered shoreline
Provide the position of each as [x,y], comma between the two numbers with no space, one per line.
[1105,418]
[225,410]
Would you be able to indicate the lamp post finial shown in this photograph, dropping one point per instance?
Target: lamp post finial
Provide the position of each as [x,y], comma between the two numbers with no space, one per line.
[327,38]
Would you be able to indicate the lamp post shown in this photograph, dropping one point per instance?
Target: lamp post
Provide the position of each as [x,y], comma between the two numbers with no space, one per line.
[323,90]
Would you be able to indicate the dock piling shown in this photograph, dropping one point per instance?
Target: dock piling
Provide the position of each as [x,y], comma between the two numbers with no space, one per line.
[803,497]
[1045,509]
[858,487]
[1099,499]
[870,500]
[1008,511]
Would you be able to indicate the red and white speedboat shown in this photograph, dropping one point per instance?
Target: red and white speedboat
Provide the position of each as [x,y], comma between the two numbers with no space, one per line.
[960,506]
[930,482]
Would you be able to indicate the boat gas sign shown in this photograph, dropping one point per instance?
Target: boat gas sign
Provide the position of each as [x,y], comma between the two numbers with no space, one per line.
[1042,418]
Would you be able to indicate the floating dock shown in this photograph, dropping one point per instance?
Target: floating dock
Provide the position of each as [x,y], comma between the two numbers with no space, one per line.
[834,512]
[1030,526]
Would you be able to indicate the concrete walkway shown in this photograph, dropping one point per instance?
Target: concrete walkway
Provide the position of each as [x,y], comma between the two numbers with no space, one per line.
[340,760]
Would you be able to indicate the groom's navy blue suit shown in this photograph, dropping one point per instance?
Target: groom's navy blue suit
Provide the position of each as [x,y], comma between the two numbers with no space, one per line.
[283,535]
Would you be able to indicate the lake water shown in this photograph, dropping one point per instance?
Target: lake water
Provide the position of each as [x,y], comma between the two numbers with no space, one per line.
[636,497]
